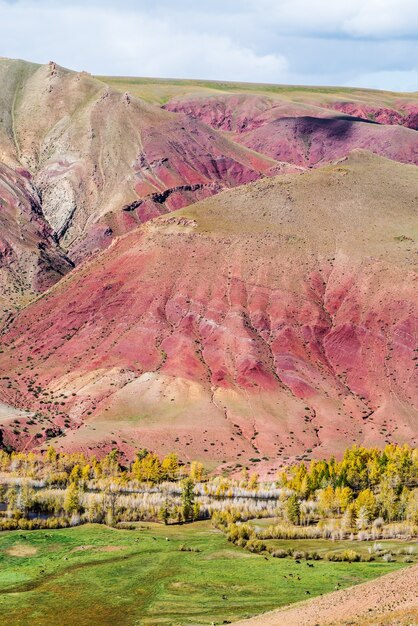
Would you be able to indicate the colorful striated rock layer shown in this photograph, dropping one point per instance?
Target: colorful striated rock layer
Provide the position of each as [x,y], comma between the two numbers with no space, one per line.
[30,258]
[104,162]
[99,162]
[270,322]
[304,134]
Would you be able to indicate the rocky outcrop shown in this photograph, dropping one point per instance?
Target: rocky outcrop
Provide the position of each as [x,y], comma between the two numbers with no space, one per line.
[30,257]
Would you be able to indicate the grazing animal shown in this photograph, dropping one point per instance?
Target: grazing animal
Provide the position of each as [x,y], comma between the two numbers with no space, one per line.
[308,593]
[298,562]
[309,564]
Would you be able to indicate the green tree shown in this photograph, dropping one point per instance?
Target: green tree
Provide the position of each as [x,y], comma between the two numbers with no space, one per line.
[326,500]
[4,461]
[349,518]
[387,501]
[196,471]
[85,473]
[253,481]
[343,497]
[411,512]
[51,455]
[187,498]
[170,466]
[72,499]
[367,500]
[76,474]
[293,509]
[151,468]
[165,512]
[11,497]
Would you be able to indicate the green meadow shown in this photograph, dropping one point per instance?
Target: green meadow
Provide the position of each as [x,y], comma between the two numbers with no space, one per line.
[190,574]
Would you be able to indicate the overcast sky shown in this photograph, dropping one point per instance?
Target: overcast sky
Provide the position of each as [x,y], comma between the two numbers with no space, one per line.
[365,43]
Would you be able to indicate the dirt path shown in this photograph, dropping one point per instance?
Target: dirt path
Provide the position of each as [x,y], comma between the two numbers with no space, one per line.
[391,600]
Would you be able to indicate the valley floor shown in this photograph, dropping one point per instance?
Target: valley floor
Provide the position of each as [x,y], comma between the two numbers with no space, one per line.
[154,575]
[389,601]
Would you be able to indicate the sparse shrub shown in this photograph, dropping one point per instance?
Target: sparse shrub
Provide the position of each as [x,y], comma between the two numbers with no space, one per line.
[351,556]
[184,548]
[279,554]
[332,556]
[255,545]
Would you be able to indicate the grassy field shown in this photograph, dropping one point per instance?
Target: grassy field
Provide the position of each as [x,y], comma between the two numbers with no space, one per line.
[160,90]
[396,547]
[362,547]
[97,575]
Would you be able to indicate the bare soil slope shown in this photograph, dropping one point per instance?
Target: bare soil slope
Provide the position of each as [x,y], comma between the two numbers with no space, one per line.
[271,321]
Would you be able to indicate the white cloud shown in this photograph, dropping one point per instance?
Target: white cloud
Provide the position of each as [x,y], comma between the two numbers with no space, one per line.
[356,18]
[297,41]
[106,40]
[384,18]
[406,80]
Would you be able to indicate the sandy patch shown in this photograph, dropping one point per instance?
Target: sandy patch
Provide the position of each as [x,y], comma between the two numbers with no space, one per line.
[82,548]
[227,554]
[22,551]
[97,548]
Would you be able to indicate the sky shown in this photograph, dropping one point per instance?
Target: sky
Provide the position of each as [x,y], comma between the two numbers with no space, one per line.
[360,43]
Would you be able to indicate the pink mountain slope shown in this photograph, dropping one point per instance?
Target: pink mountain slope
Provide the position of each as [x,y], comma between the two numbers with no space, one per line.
[305,134]
[271,321]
